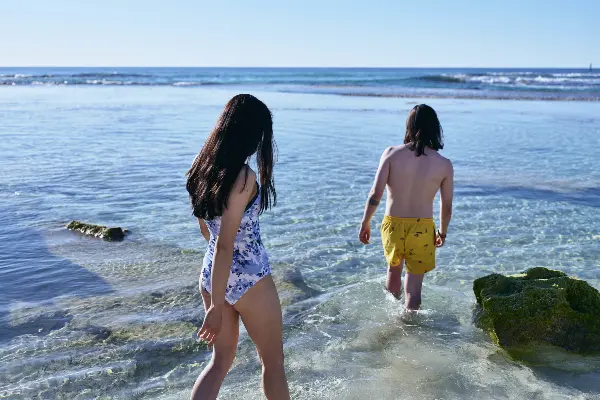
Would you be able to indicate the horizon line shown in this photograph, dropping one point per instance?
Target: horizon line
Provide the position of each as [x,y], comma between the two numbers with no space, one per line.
[281,67]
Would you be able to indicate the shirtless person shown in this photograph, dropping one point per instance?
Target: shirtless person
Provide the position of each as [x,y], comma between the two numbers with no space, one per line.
[413,173]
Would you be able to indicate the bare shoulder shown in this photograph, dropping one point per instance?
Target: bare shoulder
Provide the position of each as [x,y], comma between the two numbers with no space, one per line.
[251,176]
[245,180]
[448,167]
[394,150]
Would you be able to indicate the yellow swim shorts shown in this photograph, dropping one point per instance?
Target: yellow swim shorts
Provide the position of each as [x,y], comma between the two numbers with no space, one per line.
[411,239]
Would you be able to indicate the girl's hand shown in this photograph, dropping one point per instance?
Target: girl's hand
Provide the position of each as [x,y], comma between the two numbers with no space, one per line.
[212,325]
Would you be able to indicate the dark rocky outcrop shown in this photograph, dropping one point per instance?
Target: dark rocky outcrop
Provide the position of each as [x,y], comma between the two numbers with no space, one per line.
[99,231]
[539,306]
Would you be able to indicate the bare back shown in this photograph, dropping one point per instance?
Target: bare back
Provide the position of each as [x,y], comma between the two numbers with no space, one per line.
[414,181]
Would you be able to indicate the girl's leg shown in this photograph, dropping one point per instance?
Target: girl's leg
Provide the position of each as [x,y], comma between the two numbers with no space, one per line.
[209,382]
[261,314]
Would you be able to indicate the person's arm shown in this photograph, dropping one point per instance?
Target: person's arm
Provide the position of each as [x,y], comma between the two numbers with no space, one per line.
[223,257]
[446,195]
[375,195]
[204,229]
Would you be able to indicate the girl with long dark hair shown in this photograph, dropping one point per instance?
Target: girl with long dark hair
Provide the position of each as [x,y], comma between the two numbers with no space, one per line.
[236,277]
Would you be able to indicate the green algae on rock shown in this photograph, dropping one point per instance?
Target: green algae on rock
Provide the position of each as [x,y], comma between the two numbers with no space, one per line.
[540,305]
[98,231]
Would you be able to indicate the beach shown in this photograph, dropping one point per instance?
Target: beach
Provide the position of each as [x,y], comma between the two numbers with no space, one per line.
[82,318]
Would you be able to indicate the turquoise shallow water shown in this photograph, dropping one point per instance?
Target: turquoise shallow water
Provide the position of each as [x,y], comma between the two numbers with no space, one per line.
[82,318]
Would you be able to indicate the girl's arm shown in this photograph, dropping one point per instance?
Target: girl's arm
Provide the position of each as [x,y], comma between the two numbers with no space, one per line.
[230,223]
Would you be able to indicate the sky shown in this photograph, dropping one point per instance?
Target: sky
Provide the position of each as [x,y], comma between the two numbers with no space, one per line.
[300,33]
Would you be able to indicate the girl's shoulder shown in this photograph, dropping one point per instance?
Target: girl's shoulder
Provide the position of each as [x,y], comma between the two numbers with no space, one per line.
[246,177]
[245,181]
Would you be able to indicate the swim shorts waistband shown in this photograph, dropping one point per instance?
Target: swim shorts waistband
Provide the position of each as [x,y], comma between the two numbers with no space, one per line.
[408,220]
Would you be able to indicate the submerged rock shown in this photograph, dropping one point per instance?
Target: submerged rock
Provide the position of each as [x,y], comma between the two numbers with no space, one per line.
[37,321]
[540,354]
[153,331]
[98,231]
[540,305]
[291,286]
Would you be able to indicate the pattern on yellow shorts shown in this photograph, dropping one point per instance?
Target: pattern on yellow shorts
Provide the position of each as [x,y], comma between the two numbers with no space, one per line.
[412,239]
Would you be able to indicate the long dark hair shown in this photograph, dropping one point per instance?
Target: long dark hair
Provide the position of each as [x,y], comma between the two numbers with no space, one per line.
[423,129]
[244,128]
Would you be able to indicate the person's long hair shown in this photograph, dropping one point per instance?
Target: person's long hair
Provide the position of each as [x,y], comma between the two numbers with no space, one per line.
[423,129]
[244,128]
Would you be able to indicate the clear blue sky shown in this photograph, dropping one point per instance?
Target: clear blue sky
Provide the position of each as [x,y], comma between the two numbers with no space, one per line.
[387,33]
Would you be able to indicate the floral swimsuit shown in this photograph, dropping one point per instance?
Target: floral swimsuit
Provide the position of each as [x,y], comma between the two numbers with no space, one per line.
[250,261]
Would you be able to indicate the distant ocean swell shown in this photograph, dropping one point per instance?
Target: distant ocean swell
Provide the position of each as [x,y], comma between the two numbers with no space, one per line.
[125,79]
[497,84]
[574,81]
[471,95]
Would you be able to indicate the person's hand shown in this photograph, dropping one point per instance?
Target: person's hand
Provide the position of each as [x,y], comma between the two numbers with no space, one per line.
[439,239]
[211,325]
[365,232]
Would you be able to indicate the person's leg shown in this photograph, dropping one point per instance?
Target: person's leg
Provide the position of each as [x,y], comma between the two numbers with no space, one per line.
[261,314]
[393,283]
[393,236]
[412,290]
[419,259]
[209,382]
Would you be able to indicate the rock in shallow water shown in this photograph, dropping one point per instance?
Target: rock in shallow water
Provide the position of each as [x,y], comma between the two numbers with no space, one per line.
[98,231]
[291,286]
[540,305]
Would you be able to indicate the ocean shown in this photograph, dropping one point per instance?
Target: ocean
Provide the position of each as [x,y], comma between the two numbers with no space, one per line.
[532,84]
[82,318]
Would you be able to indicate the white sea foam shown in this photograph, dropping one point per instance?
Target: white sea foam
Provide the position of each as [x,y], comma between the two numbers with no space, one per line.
[187,83]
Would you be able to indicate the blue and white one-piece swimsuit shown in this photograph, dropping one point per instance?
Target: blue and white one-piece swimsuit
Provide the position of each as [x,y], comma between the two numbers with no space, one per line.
[250,261]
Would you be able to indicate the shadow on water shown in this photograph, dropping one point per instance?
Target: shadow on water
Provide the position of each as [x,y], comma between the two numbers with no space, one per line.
[587,197]
[31,274]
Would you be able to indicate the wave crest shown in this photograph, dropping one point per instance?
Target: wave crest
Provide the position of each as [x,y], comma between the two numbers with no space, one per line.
[459,78]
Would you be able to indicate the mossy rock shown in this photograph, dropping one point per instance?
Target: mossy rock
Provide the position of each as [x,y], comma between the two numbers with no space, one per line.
[540,305]
[99,231]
